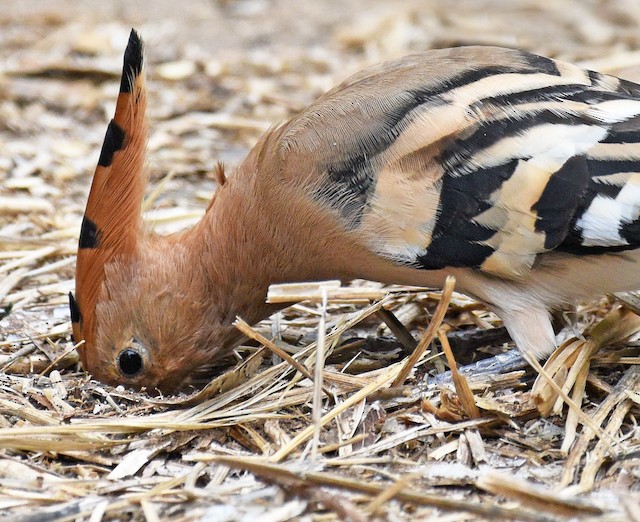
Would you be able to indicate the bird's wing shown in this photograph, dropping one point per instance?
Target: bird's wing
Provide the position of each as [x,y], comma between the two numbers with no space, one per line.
[478,157]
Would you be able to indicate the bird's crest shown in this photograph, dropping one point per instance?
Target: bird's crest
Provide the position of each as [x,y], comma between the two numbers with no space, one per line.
[112,219]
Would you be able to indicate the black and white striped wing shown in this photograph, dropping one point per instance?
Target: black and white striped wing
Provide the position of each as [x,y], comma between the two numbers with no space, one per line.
[482,158]
[548,169]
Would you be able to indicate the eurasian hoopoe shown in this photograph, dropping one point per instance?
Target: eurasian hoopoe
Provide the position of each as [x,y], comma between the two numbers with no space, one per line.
[517,174]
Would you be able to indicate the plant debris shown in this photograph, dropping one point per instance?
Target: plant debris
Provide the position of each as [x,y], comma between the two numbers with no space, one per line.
[338,407]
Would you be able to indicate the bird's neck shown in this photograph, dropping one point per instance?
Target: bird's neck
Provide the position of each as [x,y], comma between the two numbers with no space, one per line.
[254,234]
[264,227]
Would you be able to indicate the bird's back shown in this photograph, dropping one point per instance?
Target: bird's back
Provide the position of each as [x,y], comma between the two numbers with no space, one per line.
[475,157]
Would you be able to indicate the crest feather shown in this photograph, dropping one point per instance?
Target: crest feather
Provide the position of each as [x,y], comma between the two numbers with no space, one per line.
[112,219]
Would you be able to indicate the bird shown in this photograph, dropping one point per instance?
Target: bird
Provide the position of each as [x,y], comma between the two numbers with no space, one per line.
[517,174]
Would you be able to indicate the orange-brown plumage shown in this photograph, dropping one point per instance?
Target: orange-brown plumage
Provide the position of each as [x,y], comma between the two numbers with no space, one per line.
[115,198]
[518,174]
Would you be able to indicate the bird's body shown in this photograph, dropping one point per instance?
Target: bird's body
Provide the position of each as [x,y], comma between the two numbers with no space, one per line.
[517,174]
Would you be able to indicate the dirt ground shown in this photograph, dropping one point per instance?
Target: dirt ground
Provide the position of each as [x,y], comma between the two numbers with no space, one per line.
[219,74]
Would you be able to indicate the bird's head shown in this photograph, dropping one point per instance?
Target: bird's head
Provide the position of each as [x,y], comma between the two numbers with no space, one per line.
[139,305]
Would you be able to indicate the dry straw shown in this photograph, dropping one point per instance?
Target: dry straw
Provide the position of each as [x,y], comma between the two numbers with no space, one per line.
[323,416]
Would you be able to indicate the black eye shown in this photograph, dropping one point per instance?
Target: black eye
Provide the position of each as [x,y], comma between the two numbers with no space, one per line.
[130,362]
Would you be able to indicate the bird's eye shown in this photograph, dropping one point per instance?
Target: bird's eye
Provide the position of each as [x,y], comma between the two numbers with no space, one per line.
[130,362]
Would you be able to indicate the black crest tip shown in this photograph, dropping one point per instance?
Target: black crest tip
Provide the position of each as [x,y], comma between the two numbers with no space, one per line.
[133,61]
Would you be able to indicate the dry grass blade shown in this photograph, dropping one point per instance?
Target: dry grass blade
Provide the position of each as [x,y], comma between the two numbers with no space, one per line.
[584,418]
[569,365]
[465,394]
[415,433]
[297,292]
[601,453]
[19,205]
[571,359]
[65,359]
[63,445]
[27,412]
[329,448]
[535,498]
[284,475]
[7,362]
[8,283]
[630,381]
[430,333]
[252,334]
[316,406]
[397,328]
[151,198]
[27,258]
[383,497]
